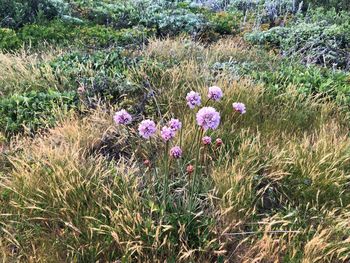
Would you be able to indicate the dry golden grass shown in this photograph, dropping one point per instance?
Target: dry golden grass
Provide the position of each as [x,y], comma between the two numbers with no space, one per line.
[23,71]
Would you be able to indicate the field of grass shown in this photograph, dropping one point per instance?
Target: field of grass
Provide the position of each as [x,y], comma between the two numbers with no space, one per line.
[79,184]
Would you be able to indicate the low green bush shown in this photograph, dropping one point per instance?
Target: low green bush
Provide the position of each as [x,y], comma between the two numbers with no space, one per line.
[101,73]
[226,23]
[9,39]
[172,22]
[34,110]
[307,80]
[58,32]
[319,38]
[16,13]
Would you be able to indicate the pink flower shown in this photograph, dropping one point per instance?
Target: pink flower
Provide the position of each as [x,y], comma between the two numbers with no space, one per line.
[215,93]
[175,124]
[218,142]
[193,99]
[239,107]
[206,140]
[147,163]
[167,133]
[122,117]
[147,128]
[189,169]
[208,118]
[176,152]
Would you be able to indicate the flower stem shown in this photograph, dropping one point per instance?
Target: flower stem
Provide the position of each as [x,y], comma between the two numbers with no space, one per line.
[194,179]
[166,174]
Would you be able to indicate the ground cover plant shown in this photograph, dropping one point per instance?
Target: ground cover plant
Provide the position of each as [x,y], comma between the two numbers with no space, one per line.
[174,131]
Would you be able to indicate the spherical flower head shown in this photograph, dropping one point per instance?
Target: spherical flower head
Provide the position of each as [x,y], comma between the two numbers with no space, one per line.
[215,93]
[175,124]
[147,128]
[206,140]
[122,117]
[176,152]
[208,118]
[239,107]
[218,142]
[147,163]
[167,133]
[189,169]
[193,99]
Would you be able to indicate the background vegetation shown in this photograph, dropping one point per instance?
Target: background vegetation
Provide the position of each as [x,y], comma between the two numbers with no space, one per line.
[75,187]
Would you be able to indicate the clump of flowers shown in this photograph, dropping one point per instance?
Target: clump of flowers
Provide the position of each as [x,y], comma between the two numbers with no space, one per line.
[193,99]
[208,118]
[176,152]
[175,124]
[206,140]
[215,93]
[122,117]
[147,128]
[239,107]
[167,133]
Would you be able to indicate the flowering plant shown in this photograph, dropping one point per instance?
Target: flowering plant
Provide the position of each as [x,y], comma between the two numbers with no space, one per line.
[207,120]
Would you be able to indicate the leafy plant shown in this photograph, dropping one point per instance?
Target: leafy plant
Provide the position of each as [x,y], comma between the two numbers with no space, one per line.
[9,39]
[16,13]
[226,23]
[317,39]
[34,110]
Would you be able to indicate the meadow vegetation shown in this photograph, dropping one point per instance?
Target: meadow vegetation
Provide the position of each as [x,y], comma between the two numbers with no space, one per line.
[86,177]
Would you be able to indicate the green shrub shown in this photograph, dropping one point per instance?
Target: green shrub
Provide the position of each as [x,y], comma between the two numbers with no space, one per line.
[101,73]
[58,32]
[118,14]
[16,13]
[320,38]
[226,23]
[54,32]
[307,80]
[9,39]
[34,110]
[175,21]
[338,4]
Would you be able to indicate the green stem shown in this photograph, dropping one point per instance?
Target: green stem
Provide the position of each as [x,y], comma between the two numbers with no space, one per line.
[194,179]
[166,174]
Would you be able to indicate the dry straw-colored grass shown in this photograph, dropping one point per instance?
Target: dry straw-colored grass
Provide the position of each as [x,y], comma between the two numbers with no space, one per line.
[23,71]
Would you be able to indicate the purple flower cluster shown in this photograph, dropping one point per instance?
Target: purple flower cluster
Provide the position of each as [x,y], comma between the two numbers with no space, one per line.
[208,118]
[176,152]
[239,107]
[147,129]
[122,117]
[175,124]
[215,93]
[206,140]
[167,133]
[193,99]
